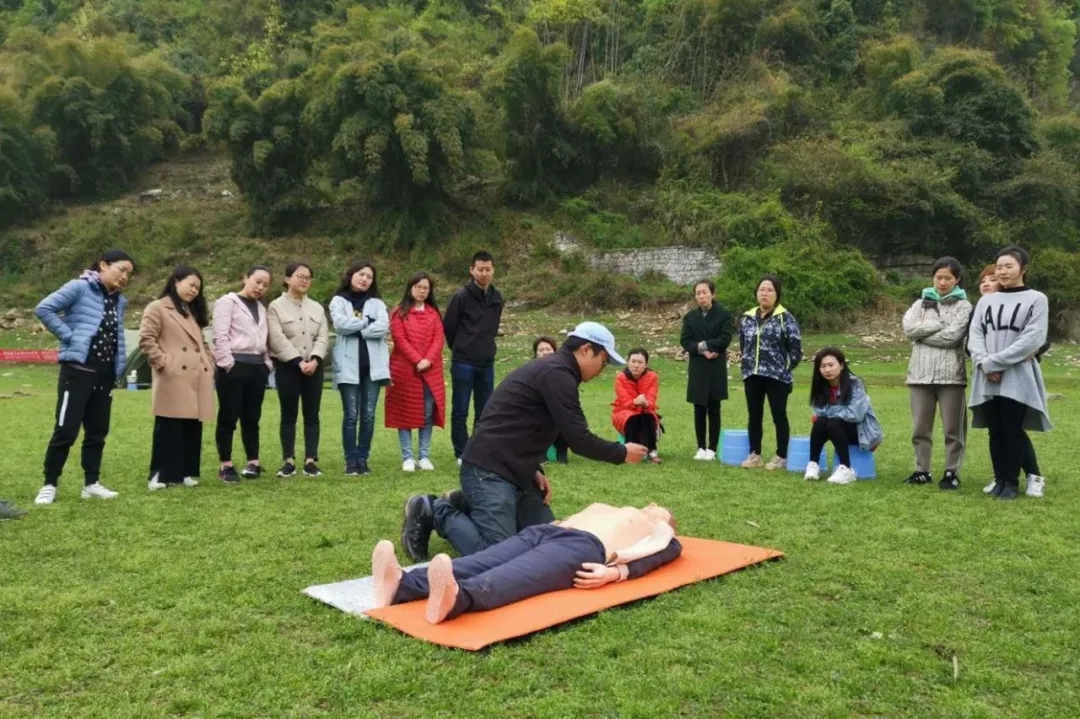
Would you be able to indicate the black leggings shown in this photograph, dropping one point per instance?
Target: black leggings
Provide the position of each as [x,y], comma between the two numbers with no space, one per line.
[240,394]
[842,435]
[641,429]
[1031,462]
[1009,444]
[710,412]
[294,387]
[757,389]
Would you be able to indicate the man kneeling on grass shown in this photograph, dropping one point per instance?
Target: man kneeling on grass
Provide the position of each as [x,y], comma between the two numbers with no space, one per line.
[597,546]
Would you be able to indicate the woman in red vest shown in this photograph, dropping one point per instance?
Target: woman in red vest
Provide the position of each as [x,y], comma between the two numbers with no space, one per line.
[635,413]
[416,398]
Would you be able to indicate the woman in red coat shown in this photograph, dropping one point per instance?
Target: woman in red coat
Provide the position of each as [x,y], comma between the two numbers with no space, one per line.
[416,398]
[635,412]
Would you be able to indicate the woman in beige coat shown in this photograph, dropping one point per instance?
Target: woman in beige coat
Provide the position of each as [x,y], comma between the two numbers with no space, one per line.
[171,338]
[298,339]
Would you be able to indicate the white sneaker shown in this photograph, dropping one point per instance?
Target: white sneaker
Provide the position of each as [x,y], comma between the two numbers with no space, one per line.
[842,475]
[98,490]
[990,487]
[191,482]
[459,461]
[155,483]
[1035,485]
[409,465]
[426,465]
[702,454]
[46,495]
[813,472]
[710,455]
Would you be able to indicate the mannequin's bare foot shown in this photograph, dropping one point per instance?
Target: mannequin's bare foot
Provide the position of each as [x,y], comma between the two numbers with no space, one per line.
[386,572]
[442,588]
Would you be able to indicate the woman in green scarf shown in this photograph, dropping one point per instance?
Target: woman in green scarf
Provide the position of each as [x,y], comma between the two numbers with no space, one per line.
[937,374]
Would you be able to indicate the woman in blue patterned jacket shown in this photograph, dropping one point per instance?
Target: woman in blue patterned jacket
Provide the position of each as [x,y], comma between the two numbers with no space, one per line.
[87,316]
[771,347]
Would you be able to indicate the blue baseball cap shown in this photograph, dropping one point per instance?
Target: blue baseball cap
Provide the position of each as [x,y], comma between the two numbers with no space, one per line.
[598,334]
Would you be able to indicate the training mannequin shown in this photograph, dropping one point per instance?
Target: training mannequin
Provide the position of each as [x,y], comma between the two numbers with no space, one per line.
[597,546]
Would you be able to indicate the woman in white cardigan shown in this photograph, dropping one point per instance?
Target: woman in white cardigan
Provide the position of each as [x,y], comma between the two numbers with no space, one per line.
[937,372]
[361,359]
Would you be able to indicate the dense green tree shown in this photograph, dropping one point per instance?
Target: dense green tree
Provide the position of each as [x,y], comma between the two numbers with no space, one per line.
[541,152]
[270,151]
[25,160]
[966,97]
[396,129]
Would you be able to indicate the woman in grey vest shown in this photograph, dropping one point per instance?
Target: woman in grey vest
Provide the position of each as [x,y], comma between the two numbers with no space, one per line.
[1007,392]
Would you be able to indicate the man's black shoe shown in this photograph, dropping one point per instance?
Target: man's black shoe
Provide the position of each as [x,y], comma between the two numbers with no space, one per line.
[919,478]
[362,468]
[996,491]
[416,529]
[1008,492]
[951,480]
[562,457]
[457,500]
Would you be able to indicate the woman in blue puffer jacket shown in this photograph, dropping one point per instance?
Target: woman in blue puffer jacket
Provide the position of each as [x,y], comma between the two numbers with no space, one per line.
[87,316]
[771,346]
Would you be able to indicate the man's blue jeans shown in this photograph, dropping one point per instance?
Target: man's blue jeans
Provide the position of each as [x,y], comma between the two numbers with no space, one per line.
[468,381]
[358,404]
[539,559]
[497,510]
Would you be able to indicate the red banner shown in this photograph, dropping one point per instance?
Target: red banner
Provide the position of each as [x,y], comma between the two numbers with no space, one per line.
[28,356]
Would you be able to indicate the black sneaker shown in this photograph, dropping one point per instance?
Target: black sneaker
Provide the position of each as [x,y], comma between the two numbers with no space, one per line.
[998,486]
[951,480]
[251,471]
[362,468]
[287,470]
[562,457]
[311,469]
[228,474]
[1008,492]
[919,478]
[352,470]
[416,529]
[457,500]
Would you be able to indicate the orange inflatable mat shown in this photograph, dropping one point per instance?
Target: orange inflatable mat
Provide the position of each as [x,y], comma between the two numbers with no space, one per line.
[701,559]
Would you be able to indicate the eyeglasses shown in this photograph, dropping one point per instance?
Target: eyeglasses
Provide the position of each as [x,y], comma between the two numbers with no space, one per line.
[302,278]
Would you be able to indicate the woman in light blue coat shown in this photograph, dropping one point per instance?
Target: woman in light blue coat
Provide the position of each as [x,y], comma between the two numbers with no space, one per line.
[87,316]
[361,359]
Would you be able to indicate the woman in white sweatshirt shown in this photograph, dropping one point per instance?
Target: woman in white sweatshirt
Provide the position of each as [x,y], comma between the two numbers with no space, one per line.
[1007,392]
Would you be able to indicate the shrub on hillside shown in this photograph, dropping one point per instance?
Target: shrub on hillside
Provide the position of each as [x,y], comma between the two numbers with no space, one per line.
[823,284]
[1056,273]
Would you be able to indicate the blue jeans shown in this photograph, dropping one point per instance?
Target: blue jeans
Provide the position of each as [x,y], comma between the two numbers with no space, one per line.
[497,511]
[358,403]
[537,560]
[469,381]
[405,435]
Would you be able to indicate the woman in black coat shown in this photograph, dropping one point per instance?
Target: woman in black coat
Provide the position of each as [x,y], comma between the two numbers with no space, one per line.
[706,333]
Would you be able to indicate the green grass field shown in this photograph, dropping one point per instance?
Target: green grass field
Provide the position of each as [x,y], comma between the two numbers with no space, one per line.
[187,602]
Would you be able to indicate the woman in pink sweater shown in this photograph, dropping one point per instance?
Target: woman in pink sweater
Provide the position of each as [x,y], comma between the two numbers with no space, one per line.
[243,366]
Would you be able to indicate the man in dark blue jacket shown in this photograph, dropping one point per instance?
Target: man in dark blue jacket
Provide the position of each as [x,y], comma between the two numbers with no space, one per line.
[471,325]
